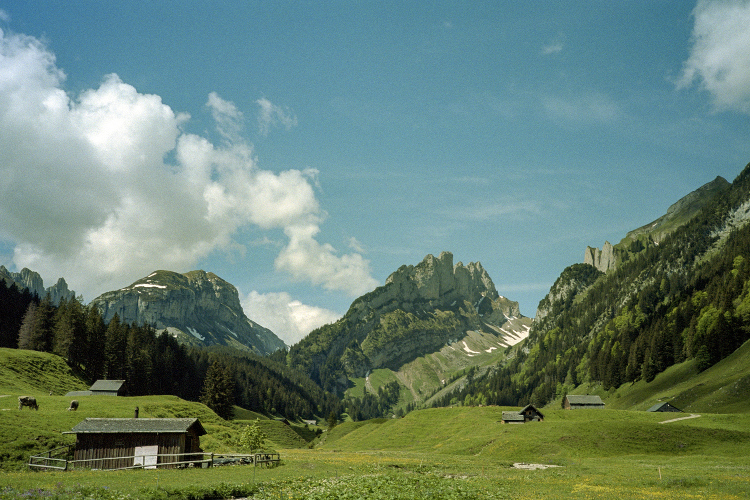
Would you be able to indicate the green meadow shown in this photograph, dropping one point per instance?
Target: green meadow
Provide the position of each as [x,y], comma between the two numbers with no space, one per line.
[462,452]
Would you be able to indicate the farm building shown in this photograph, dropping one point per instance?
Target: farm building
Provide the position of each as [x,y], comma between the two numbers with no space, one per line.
[527,414]
[665,407]
[102,388]
[512,417]
[578,402]
[113,443]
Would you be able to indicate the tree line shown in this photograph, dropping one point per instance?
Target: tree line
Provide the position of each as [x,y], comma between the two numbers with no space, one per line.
[153,363]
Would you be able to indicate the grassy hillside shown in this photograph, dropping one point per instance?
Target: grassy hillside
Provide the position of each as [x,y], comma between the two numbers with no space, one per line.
[563,437]
[26,432]
[463,452]
[34,373]
[722,388]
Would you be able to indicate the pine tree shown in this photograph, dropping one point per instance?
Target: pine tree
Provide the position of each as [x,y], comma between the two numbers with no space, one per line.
[218,390]
[93,355]
[69,331]
[36,329]
[114,349]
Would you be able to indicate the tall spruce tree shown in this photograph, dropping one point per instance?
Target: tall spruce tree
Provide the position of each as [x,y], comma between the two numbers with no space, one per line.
[114,349]
[69,339]
[35,332]
[218,390]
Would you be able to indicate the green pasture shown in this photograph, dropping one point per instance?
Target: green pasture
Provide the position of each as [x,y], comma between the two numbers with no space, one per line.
[463,452]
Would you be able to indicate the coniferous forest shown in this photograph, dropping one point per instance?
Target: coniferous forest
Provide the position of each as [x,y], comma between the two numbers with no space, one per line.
[157,364]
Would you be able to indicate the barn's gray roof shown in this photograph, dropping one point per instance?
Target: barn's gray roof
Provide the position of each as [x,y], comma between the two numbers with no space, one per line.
[659,406]
[579,399]
[137,425]
[107,385]
[512,416]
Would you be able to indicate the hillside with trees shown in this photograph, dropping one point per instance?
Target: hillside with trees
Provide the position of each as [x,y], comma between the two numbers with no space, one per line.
[685,297]
[156,364]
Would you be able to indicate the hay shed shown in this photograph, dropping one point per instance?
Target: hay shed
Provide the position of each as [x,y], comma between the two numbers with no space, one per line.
[115,443]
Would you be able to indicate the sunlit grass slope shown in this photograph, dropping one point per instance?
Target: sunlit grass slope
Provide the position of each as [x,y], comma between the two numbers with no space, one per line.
[35,373]
[722,388]
[564,435]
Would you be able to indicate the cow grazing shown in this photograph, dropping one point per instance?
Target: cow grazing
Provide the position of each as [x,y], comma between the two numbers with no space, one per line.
[73,405]
[27,401]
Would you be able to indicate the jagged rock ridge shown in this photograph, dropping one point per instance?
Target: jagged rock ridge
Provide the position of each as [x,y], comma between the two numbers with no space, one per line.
[421,310]
[196,307]
[32,281]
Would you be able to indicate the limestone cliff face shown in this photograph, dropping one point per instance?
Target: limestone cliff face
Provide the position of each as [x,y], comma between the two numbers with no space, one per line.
[196,307]
[34,283]
[603,259]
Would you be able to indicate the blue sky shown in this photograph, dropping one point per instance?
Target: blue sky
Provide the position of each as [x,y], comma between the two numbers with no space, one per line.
[303,151]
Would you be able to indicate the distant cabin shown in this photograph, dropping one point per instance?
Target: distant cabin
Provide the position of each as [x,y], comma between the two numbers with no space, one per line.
[527,414]
[103,388]
[579,402]
[665,407]
[310,422]
[115,443]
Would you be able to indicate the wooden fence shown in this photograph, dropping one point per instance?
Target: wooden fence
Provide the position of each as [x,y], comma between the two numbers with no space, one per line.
[51,460]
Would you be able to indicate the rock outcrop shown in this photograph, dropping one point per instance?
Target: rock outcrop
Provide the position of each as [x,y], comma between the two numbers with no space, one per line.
[654,232]
[420,310]
[32,281]
[195,307]
[603,259]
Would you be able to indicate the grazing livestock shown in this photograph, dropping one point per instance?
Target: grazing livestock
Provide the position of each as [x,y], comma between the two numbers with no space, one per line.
[27,401]
[73,405]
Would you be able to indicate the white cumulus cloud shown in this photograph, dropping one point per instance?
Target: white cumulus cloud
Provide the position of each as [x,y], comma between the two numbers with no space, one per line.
[88,194]
[289,319]
[720,54]
[308,260]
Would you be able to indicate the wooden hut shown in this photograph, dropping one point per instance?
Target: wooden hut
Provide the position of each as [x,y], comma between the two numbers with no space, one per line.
[527,414]
[512,417]
[108,388]
[580,402]
[531,414]
[102,388]
[114,443]
[666,407]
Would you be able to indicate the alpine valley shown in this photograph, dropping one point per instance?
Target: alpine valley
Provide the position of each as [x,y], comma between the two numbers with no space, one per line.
[673,296]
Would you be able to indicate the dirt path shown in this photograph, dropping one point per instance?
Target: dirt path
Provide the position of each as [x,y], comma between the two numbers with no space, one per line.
[693,415]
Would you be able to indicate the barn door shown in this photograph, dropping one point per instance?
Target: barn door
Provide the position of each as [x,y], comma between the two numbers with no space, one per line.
[146,456]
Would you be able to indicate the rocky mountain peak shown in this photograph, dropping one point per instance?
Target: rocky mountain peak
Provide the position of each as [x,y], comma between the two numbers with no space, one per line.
[33,281]
[436,279]
[197,307]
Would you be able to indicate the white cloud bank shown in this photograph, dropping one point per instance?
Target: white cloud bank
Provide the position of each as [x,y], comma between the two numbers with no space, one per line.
[87,193]
[720,53]
[290,319]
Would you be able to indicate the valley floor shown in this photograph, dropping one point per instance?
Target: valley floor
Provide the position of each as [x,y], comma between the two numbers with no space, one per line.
[316,474]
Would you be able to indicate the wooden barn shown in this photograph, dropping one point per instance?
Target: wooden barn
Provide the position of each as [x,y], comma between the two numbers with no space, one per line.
[103,388]
[527,414]
[114,443]
[108,388]
[581,402]
[666,407]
